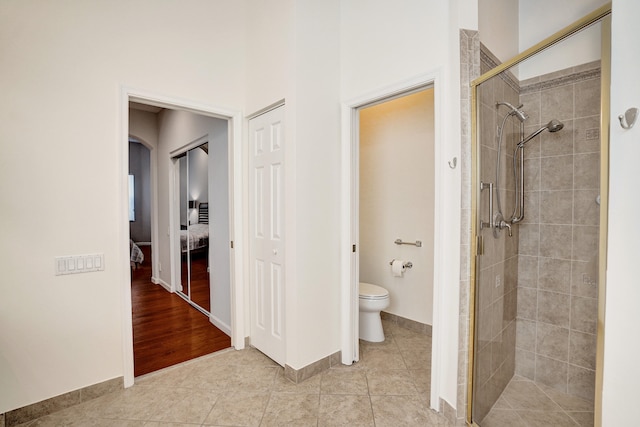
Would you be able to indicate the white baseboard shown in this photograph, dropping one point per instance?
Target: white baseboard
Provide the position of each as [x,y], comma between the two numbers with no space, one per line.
[161,283]
[220,324]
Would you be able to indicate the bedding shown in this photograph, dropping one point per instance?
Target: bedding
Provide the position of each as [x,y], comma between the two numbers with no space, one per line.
[136,256]
[197,235]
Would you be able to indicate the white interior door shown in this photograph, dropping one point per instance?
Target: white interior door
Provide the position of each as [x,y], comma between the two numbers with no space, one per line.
[266,134]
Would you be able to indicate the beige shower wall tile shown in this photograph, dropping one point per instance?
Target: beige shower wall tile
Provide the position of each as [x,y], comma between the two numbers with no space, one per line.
[551,372]
[556,207]
[556,173]
[531,207]
[587,135]
[585,209]
[554,308]
[552,341]
[533,150]
[510,274]
[528,271]
[554,241]
[525,363]
[487,127]
[526,335]
[483,324]
[582,350]
[581,382]
[486,93]
[584,314]
[527,303]
[532,171]
[529,239]
[584,278]
[585,243]
[587,101]
[531,105]
[557,143]
[483,364]
[555,275]
[587,171]
[557,103]
[510,306]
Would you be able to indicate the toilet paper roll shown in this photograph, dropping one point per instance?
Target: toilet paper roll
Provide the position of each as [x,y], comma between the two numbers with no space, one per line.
[397,268]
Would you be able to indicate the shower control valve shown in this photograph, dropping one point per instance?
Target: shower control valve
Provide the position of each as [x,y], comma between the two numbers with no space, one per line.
[504,224]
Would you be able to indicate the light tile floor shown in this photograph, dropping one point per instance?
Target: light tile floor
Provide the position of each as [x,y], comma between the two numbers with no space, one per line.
[525,403]
[389,387]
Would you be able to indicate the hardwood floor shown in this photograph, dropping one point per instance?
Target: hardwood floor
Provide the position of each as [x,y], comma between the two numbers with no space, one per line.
[166,329]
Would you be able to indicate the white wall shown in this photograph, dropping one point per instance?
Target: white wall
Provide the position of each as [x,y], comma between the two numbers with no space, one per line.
[64,64]
[312,160]
[219,226]
[397,200]
[383,45]
[498,27]
[541,19]
[621,368]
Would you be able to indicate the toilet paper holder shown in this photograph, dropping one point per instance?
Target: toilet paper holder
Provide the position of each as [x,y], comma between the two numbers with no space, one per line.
[407,264]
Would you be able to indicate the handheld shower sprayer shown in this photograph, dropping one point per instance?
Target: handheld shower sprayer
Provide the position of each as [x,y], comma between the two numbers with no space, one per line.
[553,126]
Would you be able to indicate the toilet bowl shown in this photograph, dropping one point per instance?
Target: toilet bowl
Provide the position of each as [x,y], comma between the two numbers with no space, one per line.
[372,300]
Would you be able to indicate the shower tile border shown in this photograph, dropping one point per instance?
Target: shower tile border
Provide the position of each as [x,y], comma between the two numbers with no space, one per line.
[588,71]
[492,61]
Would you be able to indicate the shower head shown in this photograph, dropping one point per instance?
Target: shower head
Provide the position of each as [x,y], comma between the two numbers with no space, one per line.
[515,111]
[552,126]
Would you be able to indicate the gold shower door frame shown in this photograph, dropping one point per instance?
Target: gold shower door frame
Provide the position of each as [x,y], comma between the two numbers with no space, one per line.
[602,14]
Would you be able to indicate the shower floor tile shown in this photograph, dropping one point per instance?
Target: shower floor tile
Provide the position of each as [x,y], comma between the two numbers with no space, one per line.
[526,403]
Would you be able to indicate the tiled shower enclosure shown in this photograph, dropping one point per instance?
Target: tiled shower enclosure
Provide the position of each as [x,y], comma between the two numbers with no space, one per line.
[536,306]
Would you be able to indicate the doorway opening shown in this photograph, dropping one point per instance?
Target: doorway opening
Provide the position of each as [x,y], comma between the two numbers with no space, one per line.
[166,127]
[390,164]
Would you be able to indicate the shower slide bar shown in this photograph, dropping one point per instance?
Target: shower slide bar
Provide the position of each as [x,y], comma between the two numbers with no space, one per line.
[417,243]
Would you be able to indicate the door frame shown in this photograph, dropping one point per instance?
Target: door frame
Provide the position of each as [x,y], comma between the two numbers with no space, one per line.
[349,220]
[236,226]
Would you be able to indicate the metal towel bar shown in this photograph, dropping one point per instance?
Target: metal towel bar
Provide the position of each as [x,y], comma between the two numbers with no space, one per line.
[417,243]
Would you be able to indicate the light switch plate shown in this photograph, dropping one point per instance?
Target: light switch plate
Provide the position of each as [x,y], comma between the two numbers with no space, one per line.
[74,264]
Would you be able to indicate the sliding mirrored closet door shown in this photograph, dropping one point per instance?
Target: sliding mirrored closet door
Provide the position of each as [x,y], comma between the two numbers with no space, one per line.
[192,167]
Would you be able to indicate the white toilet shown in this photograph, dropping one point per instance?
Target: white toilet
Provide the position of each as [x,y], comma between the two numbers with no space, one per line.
[373,299]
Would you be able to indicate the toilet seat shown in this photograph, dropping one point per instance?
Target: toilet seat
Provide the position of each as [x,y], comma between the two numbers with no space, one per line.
[372,292]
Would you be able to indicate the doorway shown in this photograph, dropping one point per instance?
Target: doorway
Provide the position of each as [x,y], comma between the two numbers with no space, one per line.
[385,219]
[230,312]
